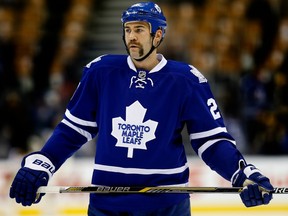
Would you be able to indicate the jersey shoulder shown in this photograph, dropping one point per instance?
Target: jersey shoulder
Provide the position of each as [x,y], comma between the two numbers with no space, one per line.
[108,61]
[188,71]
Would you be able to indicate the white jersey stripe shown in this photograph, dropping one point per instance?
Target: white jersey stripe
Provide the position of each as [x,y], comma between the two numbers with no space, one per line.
[79,130]
[140,171]
[207,133]
[209,143]
[78,120]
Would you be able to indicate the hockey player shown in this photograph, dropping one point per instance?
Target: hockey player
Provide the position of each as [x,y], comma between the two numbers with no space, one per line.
[138,105]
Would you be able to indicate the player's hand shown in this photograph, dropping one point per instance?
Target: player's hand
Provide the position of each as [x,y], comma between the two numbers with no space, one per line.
[256,187]
[35,172]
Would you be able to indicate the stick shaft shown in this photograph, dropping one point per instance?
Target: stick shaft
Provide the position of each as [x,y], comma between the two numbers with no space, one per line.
[131,190]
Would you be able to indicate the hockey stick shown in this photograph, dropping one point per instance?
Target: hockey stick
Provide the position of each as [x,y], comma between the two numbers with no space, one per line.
[131,190]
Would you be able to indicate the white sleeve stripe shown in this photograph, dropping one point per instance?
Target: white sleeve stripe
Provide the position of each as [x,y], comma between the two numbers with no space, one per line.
[209,143]
[78,120]
[77,129]
[140,171]
[207,133]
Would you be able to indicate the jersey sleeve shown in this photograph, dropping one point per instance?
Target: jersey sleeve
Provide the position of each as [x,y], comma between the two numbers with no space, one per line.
[78,125]
[208,134]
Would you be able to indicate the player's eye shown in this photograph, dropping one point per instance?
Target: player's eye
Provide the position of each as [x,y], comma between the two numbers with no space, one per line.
[139,30]
[127,30]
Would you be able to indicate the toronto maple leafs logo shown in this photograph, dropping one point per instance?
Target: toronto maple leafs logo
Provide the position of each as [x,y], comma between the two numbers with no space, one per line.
[133,133]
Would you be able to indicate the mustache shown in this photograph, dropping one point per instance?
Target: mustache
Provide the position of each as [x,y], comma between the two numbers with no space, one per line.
[133,44]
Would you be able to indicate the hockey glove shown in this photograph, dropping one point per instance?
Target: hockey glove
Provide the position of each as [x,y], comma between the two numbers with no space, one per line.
[256,187]
[36,171]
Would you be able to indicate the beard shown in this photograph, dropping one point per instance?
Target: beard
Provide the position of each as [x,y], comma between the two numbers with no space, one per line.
[140,48]
[141,52]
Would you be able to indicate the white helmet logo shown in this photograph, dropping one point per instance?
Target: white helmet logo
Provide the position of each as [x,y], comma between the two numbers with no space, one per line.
[157,8]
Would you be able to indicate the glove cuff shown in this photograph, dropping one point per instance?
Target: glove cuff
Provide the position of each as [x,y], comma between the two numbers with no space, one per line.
[250,170]
[242,174]
[39,161]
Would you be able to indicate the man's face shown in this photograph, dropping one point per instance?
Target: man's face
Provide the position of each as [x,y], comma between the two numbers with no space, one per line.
[137,38]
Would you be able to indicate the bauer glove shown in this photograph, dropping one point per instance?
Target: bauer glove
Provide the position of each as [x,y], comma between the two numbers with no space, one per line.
[36,171]
[256,187]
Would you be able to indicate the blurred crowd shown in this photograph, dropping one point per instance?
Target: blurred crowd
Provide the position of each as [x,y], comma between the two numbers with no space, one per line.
[241,46]
[39,44]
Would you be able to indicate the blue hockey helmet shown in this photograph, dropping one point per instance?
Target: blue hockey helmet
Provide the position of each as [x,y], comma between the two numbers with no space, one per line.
[147,12]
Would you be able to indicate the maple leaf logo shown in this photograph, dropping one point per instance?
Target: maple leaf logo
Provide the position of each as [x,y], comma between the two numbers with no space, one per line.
[133,133]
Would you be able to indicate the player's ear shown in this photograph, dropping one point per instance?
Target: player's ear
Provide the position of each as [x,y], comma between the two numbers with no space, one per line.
[158,37]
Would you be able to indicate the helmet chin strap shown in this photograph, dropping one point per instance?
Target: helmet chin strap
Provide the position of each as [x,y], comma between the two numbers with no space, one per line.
[151,50]
[145,56]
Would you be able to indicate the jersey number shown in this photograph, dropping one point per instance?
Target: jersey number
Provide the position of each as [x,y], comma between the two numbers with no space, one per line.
[213,108]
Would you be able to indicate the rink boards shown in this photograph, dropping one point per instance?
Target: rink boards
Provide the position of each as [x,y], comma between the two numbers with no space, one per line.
[78,172]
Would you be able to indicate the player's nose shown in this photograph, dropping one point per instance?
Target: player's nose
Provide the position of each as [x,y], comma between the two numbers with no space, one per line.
[132,36]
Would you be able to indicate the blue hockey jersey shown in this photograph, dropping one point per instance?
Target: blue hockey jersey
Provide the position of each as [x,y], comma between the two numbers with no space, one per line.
[138,116]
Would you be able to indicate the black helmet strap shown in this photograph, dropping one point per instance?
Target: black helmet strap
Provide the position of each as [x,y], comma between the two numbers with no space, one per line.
[151,50]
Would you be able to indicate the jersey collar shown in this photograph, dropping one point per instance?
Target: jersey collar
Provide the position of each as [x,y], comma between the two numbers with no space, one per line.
[158,67]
